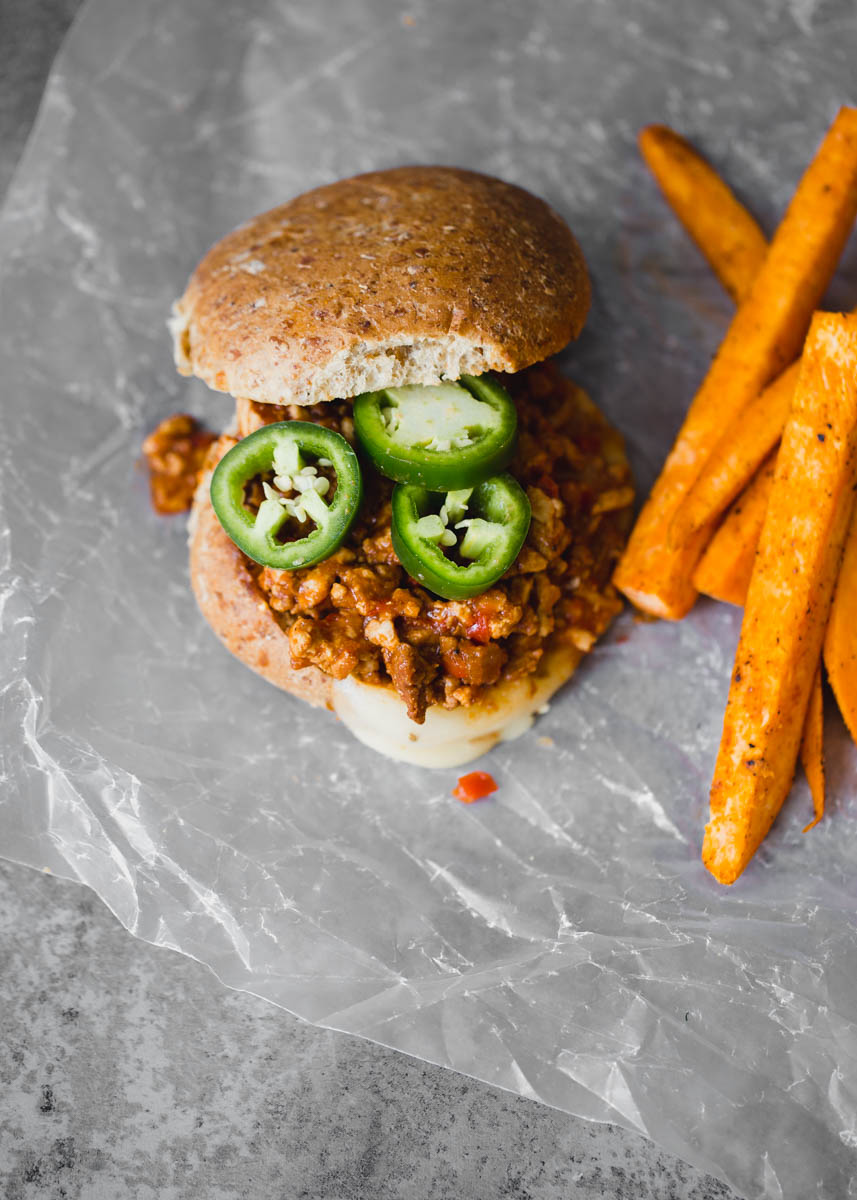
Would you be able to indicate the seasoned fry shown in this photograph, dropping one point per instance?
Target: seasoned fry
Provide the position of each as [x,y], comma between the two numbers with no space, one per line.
[788,603]
[719,224]
[724,573]
[840,642]
[764,336]
[725,568]
[812,748]
[741,450]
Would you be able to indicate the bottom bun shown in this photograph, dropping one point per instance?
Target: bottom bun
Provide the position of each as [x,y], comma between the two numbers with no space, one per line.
[237,611]
[234,606]
[451,736]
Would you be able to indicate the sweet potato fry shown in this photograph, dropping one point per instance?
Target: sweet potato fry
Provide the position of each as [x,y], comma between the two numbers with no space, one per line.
[725,568]
[789,600]
[715,219]
[741,450]
[724,573]
[840,642]
[743,445]
[764,336]
[812,748]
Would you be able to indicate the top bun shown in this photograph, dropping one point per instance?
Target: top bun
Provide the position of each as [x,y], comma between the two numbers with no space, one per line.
[412,275]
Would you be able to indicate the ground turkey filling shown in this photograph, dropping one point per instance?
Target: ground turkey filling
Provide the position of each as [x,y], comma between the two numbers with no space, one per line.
[359,613]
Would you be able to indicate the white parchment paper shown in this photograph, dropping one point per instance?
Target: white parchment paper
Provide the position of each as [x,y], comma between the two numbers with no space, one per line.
[561,940]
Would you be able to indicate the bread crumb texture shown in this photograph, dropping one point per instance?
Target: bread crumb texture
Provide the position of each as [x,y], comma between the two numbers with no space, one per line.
[412,275]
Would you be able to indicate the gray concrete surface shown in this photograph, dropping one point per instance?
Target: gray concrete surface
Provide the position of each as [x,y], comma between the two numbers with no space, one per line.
[127,1071]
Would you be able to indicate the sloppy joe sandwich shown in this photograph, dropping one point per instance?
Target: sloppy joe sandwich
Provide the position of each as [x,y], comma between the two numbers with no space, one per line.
[414,519]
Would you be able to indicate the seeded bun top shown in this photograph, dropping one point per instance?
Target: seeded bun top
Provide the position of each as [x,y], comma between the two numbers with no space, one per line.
[411,275]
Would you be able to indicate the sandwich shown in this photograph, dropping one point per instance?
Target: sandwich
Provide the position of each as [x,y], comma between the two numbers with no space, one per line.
[414,518]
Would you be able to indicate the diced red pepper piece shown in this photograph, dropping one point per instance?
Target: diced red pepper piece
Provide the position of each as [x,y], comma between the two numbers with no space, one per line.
[475,786]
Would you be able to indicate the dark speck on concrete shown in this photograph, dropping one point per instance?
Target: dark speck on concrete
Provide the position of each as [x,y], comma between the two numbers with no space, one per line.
[31,1173]
[46,1104]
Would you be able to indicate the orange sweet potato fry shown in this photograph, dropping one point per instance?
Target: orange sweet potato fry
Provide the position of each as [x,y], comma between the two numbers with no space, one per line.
[725,568]
[765,335]
[743,445]
[741,450]
[724,573]
[789,599]
[812,748]
[719,224]
[840,641]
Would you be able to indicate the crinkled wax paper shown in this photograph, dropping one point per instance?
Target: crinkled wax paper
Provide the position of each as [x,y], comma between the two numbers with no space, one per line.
[561,940]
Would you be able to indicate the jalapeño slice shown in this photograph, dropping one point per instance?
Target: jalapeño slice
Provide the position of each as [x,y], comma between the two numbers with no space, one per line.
[448,435]
[290,453]
[482,531]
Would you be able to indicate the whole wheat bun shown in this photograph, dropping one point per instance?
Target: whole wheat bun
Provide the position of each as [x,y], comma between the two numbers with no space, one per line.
[407,276]
[238,613]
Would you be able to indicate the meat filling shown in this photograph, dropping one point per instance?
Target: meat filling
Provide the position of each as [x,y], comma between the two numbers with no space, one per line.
[358,613]
[175,454]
